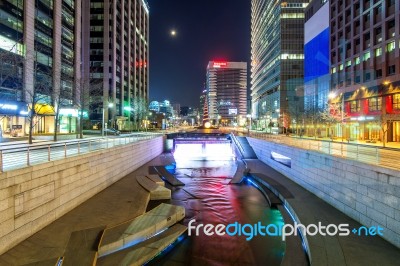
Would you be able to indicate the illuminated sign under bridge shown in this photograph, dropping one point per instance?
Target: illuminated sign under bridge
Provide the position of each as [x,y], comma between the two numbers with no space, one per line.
[201,149]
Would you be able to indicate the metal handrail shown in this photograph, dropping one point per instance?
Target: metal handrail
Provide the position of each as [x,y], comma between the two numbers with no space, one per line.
[237,144]
[21,155]
[376,155]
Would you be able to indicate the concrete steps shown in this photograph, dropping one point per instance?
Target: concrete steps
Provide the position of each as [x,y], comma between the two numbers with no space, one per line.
[248,152]
[157,192]
[145,251]
[141,228]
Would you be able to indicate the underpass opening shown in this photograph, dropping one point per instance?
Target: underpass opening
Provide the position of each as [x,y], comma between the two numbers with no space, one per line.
[203,147]
[204,151]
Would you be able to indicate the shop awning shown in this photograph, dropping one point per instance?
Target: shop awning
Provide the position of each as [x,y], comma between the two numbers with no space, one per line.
[44,109]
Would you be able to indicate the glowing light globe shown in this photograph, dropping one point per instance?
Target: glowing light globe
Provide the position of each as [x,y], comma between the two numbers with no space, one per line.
[207,125]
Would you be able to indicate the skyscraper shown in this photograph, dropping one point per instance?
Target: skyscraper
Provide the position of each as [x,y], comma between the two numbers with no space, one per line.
[316,57]
[116,52]
[277,42]
[365,68]
[227,92]
[40,54]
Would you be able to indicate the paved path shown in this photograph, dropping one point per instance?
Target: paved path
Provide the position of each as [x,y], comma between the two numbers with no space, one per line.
[329,250]
[122,201]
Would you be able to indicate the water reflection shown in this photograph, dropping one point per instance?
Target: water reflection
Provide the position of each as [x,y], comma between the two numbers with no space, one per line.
[209,198]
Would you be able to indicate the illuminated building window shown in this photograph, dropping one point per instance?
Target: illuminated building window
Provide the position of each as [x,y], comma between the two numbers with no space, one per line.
[341,67]
[390,47]
[355,106]
[333,70]
[357,60]
[348,63]
[375,104]
[396,101]
[366,56]
[292,56]
[378,52]
[292,15]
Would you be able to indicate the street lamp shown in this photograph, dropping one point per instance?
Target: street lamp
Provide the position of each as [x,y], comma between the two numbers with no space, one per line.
[110,105]
[249,124]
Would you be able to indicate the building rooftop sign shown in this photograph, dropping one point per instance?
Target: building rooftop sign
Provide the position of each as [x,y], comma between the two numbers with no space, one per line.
[219,64]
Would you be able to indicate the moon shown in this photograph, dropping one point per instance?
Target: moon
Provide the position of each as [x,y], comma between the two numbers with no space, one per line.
[172,33]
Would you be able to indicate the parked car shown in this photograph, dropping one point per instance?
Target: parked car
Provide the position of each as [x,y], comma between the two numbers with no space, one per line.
[111,131]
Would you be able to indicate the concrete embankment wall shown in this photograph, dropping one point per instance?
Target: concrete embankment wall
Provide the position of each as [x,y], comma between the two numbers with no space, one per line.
[35,196]
[367,193]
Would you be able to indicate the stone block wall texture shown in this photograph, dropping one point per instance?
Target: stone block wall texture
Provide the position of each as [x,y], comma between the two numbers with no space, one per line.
[35,196]
[367,193]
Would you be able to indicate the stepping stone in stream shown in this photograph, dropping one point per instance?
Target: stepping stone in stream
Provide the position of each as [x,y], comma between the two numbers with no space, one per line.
[156,191]
[141,228]
[145,251]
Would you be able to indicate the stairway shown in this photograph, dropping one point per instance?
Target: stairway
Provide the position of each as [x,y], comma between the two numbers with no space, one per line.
[245,148]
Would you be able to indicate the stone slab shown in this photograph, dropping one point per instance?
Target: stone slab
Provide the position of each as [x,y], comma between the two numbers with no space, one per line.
[82,247]
[145,251]
[141,228]
[156,179]
[156,191]
[167,176]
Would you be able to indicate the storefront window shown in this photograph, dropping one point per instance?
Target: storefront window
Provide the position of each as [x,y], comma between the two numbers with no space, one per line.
[375,104]
[396,101]
[355,106]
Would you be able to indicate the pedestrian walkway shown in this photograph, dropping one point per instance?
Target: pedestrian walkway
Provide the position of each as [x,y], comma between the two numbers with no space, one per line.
[309,209]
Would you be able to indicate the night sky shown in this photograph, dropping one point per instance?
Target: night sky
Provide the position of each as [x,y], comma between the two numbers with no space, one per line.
[206,30]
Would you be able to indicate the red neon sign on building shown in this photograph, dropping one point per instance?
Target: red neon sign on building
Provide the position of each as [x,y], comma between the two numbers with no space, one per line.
[219,64]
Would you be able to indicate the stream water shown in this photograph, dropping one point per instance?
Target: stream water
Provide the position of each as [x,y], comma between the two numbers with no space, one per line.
[209,199]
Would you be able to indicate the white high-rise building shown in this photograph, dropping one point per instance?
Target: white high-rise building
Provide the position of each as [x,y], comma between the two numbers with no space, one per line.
[227,91]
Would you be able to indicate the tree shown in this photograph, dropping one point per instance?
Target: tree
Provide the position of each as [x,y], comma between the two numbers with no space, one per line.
[39,99]
[334,114]
[138,110]
[87,90]
[384,124]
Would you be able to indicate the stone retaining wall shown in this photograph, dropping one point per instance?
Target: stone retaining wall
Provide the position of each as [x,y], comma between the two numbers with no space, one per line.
[367,193]
[35,196]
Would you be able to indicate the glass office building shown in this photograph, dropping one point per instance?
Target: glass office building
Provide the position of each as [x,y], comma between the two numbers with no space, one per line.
[39,54]
[116,52]
[277,42]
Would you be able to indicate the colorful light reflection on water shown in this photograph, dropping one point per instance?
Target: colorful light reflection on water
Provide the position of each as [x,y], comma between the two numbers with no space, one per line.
[209,198]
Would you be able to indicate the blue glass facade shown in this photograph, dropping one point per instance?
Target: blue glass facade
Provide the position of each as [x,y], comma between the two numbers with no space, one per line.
[316,53]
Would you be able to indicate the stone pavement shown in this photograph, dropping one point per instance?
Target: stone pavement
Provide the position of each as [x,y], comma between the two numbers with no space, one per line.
[329,250]
[122,201]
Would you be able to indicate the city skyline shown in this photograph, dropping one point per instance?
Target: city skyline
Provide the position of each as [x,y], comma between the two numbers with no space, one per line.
[205,31]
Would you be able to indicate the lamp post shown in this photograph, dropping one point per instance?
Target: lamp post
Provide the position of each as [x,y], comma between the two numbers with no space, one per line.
[249,124]
[110,105]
